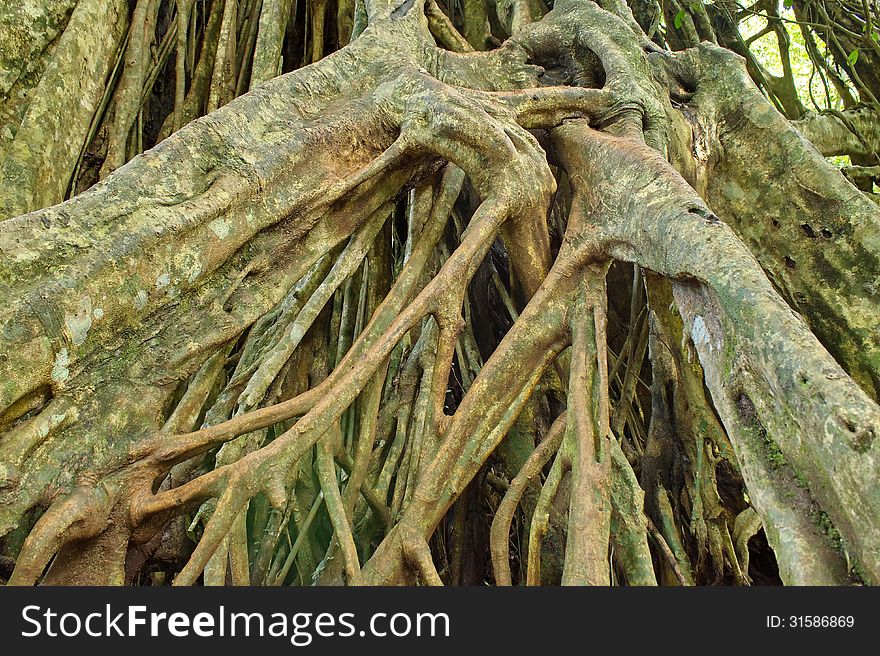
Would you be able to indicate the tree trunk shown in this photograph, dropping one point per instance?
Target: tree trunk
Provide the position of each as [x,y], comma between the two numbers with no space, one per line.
[306,321]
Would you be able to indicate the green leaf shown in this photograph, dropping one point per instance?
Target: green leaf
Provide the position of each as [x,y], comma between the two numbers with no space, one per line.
[853,57]
[874,36]
[787,3]
[679,19]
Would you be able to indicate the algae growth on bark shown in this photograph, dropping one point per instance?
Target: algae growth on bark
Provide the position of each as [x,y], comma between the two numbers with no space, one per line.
[439,292]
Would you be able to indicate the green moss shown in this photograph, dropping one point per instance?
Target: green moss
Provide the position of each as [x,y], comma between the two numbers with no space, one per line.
[858,574]
[823,521]
[774,454]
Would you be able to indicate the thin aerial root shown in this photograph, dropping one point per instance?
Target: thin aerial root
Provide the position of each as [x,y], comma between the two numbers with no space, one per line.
[343,267]
[228,507]
[443,29]
[300,540]
[238,550]
[418,555]
[377,505]
[746,525]
[499,536]
[662,545]
[336,507]
[541,520]
[184,8]
[629,526]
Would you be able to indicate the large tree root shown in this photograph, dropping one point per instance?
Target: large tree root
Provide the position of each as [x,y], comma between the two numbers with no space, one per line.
[266,325]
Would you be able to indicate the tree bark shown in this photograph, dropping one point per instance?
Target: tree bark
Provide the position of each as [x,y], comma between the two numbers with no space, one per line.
[281,290]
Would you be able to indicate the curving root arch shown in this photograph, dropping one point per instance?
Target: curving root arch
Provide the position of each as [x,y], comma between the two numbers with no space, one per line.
[414,303]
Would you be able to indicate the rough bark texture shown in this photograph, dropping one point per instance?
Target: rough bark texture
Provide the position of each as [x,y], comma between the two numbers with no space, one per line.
[587,277]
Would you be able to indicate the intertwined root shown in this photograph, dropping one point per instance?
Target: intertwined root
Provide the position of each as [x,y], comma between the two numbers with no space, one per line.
[345,394]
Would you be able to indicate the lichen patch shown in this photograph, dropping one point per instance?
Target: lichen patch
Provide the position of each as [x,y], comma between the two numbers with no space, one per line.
[60,371]
[77,325]
[220,227]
